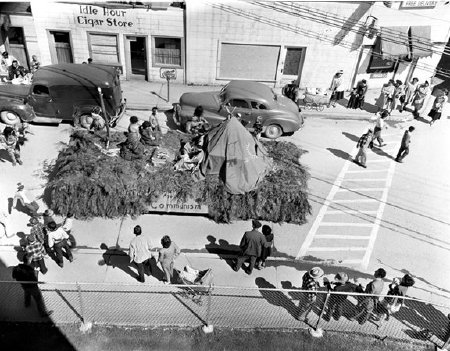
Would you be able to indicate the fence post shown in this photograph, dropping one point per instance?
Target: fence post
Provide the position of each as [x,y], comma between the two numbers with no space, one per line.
[85,325]
[446,345]
[208,328]
[318,332]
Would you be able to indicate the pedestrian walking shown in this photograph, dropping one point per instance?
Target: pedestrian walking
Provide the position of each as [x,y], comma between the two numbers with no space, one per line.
[393,303]
[365,142]
[367,305]
[337,88]
[386,96]
[21,197]
[47,216]
[167,255]
[404,146]
[35,254]
[379,126]
[311,284]
[399,93]
[438,105]
[58,242]
[251,247]
[265,251]
[140,252]
[25,273]
[9,140]
[336,302]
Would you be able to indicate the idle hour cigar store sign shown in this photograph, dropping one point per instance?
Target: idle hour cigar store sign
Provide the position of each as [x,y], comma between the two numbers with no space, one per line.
[97,17]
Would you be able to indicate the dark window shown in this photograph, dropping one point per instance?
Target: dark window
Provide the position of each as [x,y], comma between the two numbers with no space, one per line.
[40,90]
[292,61]
[15,35]
[239,103]
[257,105]
[167,51]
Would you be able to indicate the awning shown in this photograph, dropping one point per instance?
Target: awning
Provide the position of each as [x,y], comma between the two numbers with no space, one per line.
[421,41]
[394,42]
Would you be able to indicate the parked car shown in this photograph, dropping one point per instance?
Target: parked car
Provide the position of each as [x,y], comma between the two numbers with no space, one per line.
[62,92]
[280,115]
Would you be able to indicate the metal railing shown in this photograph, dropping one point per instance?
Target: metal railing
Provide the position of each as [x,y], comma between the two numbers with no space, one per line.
[229,307]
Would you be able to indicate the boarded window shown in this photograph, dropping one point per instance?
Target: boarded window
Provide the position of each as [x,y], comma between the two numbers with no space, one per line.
[104,48]
[167,52]
[243,61]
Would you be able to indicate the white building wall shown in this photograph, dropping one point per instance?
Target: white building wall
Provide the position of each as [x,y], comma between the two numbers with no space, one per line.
[27,23]
[209,23]
[53,16]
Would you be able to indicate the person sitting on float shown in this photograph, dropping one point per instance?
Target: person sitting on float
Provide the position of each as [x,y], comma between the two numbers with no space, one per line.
[198,124]
[148,138]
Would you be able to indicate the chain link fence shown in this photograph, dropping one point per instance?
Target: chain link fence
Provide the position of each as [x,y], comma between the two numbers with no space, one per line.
[230,307]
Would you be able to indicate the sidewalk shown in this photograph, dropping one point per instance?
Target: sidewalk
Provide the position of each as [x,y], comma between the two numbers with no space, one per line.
[142,95]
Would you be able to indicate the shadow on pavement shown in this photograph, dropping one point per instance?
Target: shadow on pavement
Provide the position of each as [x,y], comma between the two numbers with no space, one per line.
[224,249]
[365,107]
[276,298]
[351,136]
[380,152]
[339,153]
[24,335]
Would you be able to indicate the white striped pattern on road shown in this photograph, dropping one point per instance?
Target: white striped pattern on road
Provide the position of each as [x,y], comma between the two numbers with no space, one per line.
[359,242]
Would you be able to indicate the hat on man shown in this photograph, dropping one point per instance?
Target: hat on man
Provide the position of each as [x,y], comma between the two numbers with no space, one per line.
[34,220]
[316,272]
[256,224]
[20,186]
[340,71]
[341,277]
[51,226]
[31,238]
[48,212]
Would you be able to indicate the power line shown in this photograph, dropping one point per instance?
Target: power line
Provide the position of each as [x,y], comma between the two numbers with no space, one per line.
[285,26]
[358,27]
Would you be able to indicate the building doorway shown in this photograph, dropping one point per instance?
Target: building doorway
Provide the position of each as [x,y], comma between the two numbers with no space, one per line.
[293,65]
[136,57]
[15,44]
[60,48]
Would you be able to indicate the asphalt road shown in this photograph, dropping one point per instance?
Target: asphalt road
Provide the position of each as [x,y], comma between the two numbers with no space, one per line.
[395,215]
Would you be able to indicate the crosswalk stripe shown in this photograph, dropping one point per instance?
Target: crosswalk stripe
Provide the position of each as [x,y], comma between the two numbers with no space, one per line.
[339,224]
[365,180]
[368,170]
[344,211]
[361,189]
[344,237]
[345,201]
[324,248]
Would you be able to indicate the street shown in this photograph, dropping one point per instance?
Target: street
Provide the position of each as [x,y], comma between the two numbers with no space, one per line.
[389,215]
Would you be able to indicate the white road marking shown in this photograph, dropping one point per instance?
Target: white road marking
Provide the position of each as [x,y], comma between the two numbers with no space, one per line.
[368,170]
[344,201]
[376,225]
[324,248]
[365,180]
[339,224]
[360,189]
[324,210]
[345,211]
[345,237]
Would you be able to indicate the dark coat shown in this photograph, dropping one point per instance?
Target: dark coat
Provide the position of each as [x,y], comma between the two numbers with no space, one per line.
[252,243]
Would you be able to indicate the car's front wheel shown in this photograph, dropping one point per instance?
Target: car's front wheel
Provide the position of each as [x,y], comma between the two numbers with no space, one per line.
[9,117]
[273,131]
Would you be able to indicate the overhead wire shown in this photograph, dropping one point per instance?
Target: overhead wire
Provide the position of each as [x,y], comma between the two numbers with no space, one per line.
[306,32]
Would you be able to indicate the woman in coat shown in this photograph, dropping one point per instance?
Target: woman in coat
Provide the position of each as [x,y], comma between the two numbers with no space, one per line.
[410,89]
[167,256]
[266,250]
[336,88]
[419,98]
[438,105]
[386,95]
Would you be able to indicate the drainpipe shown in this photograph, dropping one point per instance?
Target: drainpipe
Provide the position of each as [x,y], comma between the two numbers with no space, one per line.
[185,29]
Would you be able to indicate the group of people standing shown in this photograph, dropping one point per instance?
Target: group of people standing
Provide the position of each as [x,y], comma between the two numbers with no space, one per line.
[14,71]
[367,307]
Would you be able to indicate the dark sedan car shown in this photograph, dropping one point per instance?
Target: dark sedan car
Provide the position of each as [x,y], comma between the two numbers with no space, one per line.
[279,114]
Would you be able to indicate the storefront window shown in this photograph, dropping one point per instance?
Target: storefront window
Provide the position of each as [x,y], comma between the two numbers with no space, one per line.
[104,48]
[167,52]
[379,64]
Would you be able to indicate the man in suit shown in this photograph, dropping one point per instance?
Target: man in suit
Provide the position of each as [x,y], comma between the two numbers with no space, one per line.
[251,247]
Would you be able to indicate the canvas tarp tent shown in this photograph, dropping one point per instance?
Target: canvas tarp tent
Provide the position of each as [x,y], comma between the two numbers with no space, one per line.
[235,156]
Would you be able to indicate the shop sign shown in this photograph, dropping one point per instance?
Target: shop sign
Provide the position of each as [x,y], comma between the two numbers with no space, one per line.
[418,4]
[378,75]
[166,203]
[102,17]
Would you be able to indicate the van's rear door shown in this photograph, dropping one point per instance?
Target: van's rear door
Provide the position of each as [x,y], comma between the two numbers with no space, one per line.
[42,102]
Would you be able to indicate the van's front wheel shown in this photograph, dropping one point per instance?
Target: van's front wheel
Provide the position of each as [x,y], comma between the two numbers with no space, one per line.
[273,131]
[9,118]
